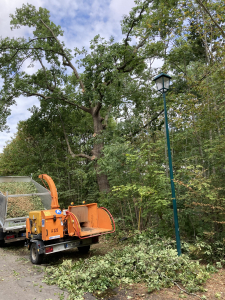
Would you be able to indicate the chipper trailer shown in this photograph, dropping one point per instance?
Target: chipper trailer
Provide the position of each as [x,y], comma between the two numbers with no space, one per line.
[53,230]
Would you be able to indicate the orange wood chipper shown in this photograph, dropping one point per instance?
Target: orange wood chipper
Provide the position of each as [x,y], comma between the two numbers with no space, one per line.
[50,231]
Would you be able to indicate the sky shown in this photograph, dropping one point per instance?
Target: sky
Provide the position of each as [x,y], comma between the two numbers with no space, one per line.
[81,21]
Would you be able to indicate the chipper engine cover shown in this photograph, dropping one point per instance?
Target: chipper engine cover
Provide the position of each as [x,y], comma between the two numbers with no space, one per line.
[52,224]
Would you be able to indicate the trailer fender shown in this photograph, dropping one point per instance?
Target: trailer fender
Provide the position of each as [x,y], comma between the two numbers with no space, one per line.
[40,246]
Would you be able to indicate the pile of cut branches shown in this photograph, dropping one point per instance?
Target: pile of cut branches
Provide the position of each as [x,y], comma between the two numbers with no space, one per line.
[154,263]
[20,206]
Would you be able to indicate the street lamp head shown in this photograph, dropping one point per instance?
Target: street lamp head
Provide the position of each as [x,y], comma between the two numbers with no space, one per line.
[162,82]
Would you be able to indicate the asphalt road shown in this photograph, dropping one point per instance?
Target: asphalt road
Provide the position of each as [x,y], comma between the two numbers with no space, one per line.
[21,280]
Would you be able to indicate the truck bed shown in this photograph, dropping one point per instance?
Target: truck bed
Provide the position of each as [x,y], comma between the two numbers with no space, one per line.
[13,229]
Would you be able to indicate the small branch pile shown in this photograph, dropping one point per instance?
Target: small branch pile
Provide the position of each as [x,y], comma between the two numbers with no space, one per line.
[20,206]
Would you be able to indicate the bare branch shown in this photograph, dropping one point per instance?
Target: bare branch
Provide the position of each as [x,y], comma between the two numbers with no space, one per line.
[43,67]
[25,48]
[84,156]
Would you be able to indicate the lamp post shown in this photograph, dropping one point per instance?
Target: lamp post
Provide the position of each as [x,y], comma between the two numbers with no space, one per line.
[163,82]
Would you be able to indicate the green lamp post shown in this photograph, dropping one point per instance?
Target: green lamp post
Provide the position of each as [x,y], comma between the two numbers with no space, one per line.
[163,83]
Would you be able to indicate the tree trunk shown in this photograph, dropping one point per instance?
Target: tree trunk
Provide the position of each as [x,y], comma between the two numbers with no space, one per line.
[102,179]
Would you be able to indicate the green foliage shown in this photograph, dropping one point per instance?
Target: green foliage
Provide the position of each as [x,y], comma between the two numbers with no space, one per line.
[40,149]
[140,186]
[152,261]
[209,251]
[200,197]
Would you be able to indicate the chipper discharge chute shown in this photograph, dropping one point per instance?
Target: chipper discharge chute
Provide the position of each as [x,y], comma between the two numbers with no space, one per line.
[50,231]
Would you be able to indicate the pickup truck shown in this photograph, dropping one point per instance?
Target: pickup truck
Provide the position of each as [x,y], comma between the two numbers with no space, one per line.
[14,229]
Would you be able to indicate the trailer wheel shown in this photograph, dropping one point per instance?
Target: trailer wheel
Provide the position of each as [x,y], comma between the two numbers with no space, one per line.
[84,249]
[35,257]
[2,235]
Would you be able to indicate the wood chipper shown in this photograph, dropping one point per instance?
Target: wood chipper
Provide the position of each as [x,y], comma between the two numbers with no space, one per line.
[53,230]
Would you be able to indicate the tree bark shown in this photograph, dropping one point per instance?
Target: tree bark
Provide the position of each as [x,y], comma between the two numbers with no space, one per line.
[97,149]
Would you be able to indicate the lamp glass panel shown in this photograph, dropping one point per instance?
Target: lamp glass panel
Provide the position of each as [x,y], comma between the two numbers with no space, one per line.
[159,83]
[166,83]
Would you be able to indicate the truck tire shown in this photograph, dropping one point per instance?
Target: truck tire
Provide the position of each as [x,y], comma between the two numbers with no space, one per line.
[35,257]
[84,249]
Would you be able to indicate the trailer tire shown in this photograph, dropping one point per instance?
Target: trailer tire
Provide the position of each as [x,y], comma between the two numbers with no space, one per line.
[84,249]
[35,257]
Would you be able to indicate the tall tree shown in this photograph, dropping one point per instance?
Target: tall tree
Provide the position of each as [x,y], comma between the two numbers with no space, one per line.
[98,88]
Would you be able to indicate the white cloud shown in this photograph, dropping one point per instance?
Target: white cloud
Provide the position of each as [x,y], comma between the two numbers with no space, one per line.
[81,20]
[158,63]
[120,8]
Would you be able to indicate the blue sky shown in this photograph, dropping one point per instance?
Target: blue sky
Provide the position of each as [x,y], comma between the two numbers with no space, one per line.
[81,20]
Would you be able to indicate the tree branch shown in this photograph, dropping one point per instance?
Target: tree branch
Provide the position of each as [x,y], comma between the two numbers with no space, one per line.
[97,108]
[107,117]
[154,118]
[133,55]
[145,5]
[37,94]
[68,145]
[25,48]
[172,62]
[62,98]
[149,122]
[43,67]
[88,110]
[66,57]
[209,14]
[135,21]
